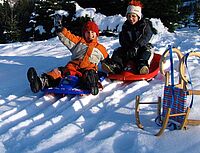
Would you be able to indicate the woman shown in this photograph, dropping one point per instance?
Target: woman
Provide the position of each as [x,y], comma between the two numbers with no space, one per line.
[134,40]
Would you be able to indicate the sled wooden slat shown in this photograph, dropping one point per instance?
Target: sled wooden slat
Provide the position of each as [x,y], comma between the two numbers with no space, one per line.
[149,103]
[137,110]
[193,92]
[180,114]
[193,122]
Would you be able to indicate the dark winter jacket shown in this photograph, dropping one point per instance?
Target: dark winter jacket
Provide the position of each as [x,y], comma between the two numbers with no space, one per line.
[137,35]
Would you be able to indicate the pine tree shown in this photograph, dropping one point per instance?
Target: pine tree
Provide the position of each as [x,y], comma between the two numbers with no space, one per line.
[14,20]
[166,10]
[7,21]
[30,31]
[197,13]
[23,10]
[186,11]
[43,18]
[14,31]
[2,37]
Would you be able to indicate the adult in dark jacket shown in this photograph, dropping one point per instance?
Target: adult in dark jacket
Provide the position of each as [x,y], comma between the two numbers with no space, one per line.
[134,40]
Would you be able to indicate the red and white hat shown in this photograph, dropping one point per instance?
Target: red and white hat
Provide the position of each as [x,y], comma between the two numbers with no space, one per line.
[136,8]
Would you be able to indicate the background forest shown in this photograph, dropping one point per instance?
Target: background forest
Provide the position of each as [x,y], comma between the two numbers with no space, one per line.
[22,20]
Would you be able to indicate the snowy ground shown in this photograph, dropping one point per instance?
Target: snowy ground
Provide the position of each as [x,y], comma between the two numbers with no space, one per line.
[33,123]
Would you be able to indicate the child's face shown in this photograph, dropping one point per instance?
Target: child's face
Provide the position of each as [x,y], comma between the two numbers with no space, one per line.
[132,18]
[90,35]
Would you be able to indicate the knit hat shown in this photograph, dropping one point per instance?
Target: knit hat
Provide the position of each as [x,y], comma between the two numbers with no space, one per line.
[91,26]
[136,8]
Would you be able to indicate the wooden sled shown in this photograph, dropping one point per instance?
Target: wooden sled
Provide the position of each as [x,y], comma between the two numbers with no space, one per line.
[170,115]
[162,119]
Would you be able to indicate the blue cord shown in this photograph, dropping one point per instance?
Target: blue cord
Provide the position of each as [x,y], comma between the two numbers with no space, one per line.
[172,75]
[190,80]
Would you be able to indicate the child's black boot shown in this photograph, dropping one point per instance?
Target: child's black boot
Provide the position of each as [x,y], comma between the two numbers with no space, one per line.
[34,80]
[37,83]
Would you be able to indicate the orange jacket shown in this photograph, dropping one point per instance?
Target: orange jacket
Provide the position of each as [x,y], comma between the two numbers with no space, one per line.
[87,55]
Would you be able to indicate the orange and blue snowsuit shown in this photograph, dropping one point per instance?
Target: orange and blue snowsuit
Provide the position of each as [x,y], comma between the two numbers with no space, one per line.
[85,56]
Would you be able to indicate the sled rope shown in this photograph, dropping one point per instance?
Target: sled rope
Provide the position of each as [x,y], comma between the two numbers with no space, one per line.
[172,75]
[190,80]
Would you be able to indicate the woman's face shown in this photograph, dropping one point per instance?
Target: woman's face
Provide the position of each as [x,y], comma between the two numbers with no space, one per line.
[90,35]
[132,18]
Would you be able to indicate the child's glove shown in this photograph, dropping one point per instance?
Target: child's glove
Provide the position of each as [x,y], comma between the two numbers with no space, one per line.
[131,53]
[58,22]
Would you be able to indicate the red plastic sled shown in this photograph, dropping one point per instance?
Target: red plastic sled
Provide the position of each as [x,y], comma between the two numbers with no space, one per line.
[131,76]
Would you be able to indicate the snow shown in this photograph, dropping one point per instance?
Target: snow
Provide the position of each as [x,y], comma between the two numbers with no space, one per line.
[105,123]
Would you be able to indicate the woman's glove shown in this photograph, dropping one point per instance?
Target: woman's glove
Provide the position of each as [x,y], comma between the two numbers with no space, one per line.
[131,53]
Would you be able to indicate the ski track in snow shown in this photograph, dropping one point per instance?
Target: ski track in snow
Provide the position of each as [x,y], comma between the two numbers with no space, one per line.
[30,123]
[41,118]
[67,115]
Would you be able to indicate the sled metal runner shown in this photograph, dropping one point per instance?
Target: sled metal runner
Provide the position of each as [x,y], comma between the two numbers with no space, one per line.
[169,116]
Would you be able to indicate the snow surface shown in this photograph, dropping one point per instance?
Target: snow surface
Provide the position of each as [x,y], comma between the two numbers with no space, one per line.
[34,123]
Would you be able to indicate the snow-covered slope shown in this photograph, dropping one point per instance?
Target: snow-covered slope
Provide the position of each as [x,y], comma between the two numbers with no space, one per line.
[89,124]
[34,123]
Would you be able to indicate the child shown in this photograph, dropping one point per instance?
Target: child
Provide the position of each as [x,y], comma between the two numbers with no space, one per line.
[134,40]
[86,54]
